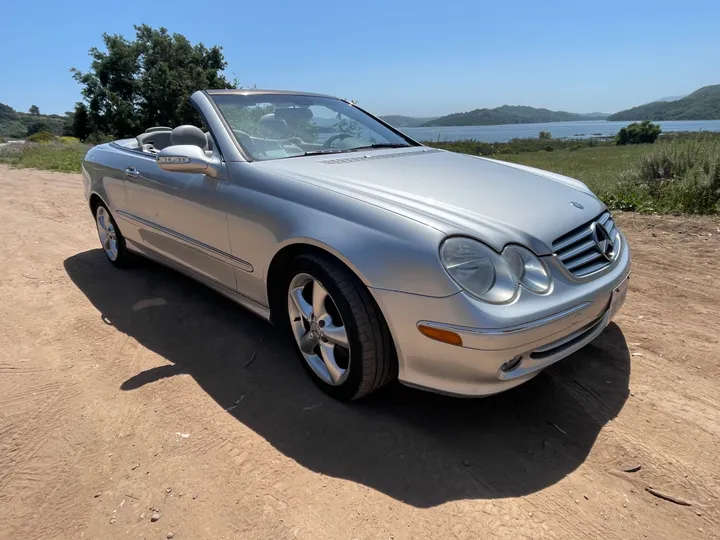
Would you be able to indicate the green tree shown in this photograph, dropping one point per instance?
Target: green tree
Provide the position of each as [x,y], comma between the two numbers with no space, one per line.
[80,122]
[545,135]
[38,127]
[638,133]
[133,85]
[34,110]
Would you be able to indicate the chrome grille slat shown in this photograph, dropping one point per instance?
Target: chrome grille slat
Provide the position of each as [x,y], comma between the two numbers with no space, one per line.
[592,268]
[572,239]
[583,260]
[578,251]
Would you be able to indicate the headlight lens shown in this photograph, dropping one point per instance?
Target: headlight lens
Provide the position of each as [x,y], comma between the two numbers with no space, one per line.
[490,276]
[479,270]
[528,269]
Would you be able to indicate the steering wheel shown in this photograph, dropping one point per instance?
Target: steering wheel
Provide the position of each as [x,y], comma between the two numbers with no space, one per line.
[336,137]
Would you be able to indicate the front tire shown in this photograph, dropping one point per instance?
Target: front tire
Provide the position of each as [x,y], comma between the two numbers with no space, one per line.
[340,332]
[111,239]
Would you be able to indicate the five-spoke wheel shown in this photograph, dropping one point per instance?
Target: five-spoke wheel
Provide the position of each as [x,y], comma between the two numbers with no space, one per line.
[318,329]
[111,239]
[339,330]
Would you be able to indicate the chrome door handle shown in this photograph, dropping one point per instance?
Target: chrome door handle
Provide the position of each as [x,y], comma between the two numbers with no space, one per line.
[132,172]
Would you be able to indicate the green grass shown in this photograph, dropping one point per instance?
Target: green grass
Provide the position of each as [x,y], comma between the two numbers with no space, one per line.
[62,157]
[600,168]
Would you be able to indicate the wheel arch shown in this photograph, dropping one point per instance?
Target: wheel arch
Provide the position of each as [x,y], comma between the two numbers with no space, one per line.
[94,200]
[280,264]
[289,251]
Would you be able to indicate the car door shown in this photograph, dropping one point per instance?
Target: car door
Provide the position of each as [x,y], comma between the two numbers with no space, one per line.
[180,216]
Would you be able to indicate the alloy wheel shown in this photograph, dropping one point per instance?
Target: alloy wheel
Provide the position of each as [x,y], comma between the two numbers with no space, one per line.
[319,330]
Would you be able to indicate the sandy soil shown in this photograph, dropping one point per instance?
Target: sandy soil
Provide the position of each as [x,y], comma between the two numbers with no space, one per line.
[113,407]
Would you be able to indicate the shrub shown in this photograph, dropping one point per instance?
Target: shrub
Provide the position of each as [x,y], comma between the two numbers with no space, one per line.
[683,176]
[638,133]
[99,138]
[545,135]
[38,127]
[65,139]
[41,137]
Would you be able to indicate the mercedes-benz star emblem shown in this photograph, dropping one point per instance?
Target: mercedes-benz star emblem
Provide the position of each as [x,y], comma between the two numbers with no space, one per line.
[603,241]
[577,205]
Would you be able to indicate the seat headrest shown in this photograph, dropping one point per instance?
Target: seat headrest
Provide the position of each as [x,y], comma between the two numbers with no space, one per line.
[293,114]
[274,127]
[188,135]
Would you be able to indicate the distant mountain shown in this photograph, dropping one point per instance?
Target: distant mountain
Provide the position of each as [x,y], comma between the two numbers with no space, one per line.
[702,104]
[667,98]
[510,114]
[399,121]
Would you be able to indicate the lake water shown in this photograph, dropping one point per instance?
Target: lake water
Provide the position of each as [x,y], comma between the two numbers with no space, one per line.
[559,130]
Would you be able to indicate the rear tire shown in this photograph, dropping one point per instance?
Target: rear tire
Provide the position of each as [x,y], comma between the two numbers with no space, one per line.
[342,336]
[111,239]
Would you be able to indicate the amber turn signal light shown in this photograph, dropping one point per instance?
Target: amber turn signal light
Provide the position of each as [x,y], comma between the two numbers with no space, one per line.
[438,334]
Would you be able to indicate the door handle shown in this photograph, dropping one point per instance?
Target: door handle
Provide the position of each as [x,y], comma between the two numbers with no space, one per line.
[132,172]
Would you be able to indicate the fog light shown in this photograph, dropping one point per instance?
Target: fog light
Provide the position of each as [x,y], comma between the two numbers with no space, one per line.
[438,334]
[511,364]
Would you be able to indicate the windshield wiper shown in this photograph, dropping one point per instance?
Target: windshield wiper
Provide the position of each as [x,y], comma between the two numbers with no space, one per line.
[343,150]
[380,145]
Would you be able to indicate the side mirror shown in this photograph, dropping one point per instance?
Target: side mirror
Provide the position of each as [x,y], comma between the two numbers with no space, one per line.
[187,158]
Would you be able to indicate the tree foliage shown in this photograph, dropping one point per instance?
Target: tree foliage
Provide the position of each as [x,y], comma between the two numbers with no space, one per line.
[38,127]
[133,85]
[18,125]
[545,135]
[638,133]
[34,110]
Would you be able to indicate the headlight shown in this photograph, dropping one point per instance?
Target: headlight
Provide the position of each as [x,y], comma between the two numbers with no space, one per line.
[528,269]
[490,276]
[479,270]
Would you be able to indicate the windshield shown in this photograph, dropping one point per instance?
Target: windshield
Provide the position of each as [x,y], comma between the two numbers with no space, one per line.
[270,126]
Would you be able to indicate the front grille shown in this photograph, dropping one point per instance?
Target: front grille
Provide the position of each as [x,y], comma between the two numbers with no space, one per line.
[579,252]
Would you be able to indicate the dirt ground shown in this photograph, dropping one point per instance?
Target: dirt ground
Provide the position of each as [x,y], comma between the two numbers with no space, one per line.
[128,393]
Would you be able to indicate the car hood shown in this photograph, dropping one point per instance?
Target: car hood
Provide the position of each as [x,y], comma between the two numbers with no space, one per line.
[494,201]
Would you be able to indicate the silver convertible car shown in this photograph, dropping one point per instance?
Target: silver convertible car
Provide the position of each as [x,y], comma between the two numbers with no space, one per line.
[383,258]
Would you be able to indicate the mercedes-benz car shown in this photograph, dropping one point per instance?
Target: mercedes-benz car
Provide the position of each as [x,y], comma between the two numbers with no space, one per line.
[383,258]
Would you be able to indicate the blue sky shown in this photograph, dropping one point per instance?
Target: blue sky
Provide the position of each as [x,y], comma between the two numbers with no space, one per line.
[415,57]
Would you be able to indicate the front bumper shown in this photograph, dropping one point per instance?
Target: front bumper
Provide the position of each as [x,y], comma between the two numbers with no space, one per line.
[540,329]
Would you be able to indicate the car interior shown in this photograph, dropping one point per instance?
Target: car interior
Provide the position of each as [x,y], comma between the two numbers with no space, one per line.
[157,138]
[285,132]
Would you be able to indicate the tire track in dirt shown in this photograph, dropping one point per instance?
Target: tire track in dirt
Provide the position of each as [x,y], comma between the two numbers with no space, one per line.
[16,457]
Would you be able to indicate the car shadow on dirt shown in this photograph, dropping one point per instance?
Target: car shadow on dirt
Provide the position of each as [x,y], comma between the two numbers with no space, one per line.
[417,447]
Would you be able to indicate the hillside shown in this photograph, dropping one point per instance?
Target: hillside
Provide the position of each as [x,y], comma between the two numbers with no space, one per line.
[703,104]
[399,121]
[15,124]
[509,114]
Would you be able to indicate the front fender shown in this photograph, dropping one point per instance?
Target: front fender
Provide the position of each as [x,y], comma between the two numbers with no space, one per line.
[386,250]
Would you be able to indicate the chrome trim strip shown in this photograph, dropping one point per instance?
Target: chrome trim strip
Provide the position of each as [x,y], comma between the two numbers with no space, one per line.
[509,329]
[209,250]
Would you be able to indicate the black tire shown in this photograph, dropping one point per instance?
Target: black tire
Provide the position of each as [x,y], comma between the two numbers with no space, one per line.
[124,257]
[373,361]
